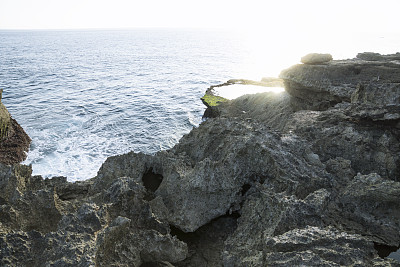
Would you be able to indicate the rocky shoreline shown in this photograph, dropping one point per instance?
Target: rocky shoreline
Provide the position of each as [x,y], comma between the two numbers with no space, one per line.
[308,177]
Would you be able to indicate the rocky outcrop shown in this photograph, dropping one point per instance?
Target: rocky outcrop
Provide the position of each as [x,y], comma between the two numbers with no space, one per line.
[316,58]
[53,222]
[375,83]
[14,142]
[270,181]
[212,99]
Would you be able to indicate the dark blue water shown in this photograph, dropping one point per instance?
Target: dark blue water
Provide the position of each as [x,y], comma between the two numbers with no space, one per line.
[85,95]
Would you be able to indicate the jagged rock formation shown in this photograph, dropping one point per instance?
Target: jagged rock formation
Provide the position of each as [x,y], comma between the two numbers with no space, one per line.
[270,181]
[14,142]
[373,83]
[212,99]
[4,119]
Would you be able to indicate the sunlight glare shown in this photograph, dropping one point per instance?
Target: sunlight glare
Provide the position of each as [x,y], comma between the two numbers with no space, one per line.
[234,91]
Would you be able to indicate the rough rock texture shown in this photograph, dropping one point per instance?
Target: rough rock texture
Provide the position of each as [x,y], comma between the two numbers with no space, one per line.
[315,58]
[375,82]
[14,142]
[4,119]
[212,100]
[53,222]
[270,181]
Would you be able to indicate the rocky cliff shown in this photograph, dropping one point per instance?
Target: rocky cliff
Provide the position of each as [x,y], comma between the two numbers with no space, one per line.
[14,142]
[308,177]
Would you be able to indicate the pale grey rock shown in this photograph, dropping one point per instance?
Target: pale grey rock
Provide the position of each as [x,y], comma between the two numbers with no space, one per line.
[366,136]
[208,176]
[371,56]
[111,227]
[316,58]
[342,170]
[314,246]
[359,81]
[267,214]
[119,244]
[369,205]
[360,135]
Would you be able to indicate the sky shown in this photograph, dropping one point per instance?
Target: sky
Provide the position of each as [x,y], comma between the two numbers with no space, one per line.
[251,15]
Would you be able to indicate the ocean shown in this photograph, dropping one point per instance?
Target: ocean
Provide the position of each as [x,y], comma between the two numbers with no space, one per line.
[85,95]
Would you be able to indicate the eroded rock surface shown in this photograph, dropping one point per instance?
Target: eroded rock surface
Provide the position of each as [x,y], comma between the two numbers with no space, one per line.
[357,80]
[14,142]
[270,181]
[316,58]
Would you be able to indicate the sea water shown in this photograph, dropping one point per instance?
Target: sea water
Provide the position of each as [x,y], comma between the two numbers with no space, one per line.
[85,95]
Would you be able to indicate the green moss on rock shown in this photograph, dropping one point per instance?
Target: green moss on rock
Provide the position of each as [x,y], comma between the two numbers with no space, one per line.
[212,101]
[4,119]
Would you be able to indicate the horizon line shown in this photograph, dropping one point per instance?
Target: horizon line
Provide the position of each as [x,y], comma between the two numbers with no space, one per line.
[228,29]
[121,28]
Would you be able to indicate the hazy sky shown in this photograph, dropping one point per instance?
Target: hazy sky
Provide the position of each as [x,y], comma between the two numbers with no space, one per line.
[252,15]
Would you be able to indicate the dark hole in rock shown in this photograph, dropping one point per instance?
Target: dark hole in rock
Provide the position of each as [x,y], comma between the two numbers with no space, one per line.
[357,71]
[181,235]
[207,240]
[245,188]
[73,191]
[385,250]
[151,180]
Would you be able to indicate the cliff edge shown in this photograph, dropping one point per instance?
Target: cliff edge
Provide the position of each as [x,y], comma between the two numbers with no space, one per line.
[14,142]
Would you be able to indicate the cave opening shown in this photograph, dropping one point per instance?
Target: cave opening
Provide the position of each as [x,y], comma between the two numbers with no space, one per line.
[151,180]
[245,188]
[207,240]
[385,251]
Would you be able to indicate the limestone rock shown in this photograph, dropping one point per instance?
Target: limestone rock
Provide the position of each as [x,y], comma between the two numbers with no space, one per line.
[356,80]
[365,135]
[370,205]
[313,246]
[316,58]
[370,144]
[212,99]
[209,176]
[370,56]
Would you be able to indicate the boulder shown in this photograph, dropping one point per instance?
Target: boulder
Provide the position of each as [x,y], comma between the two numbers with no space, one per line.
[316,58]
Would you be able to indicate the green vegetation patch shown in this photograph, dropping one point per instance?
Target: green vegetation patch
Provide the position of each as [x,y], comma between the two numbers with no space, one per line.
[4,119]
[212,100]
